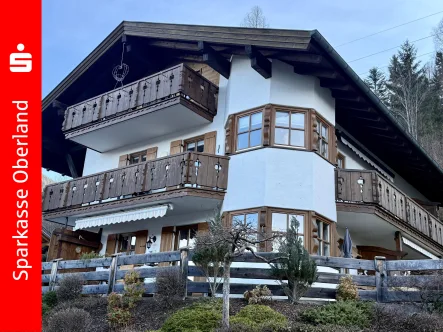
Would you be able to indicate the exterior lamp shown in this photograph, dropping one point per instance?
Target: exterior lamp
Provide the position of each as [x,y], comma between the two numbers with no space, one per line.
[150,241]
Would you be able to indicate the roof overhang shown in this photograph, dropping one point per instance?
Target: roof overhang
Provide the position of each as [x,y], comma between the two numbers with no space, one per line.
[358,110]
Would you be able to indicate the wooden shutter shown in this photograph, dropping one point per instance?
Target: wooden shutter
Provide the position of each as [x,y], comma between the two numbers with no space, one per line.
[123,160]
[167,241]
[151,153]
[210,140]
[111,244]
[141,237]
[203,227]
[176,147]
[229,135]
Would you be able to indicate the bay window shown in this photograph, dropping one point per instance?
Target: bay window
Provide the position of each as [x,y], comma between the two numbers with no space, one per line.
[289,128]
[324,238]
[249,130]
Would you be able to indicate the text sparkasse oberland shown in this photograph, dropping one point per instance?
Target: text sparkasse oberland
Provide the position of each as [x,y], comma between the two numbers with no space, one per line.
[20,177]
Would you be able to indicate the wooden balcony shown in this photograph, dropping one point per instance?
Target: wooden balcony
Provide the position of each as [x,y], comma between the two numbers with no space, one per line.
[370,188]
[198,174]
[169,101]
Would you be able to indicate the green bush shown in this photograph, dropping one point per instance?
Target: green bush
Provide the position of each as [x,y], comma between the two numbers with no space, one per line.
[70,288]
[50,299]
[90,255]
[70,320]
[302,327]
[347,313]
[45,309]
[203,316]
[257,318]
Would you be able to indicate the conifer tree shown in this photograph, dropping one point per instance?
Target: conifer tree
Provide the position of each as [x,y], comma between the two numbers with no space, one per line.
[376,80]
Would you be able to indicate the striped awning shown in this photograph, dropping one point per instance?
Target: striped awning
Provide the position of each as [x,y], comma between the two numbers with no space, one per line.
[121,217]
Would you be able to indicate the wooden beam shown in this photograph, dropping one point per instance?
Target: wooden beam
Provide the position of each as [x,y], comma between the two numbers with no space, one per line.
[347,95]
[315,71]
[71,165]
[214,59]
[259,63]
[335,85]
[302,58]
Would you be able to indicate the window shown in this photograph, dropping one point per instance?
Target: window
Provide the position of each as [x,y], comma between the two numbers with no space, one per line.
[137,157]
[340,161]
[196,144]
[324,238]
[249,130]
[126,244]
[185,236]
[249,219]
[281,223]
[289,128]
[323,138]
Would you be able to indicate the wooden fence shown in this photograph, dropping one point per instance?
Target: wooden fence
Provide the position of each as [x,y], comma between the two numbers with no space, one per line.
[379,285]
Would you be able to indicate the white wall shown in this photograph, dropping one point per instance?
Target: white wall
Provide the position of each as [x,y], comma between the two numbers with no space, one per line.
[283,178]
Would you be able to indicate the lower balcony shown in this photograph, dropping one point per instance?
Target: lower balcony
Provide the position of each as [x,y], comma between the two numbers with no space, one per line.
[374,210]
[185,183]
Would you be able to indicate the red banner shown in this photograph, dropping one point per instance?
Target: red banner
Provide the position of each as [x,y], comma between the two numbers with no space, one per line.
[21,166]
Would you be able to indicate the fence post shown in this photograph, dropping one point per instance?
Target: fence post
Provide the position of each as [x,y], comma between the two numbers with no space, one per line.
[184,263]
[53,276]
[112,272]
[381,278]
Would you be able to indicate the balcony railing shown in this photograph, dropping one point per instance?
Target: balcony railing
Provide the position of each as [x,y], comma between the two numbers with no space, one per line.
[184,170]
[368,187]
[171,83]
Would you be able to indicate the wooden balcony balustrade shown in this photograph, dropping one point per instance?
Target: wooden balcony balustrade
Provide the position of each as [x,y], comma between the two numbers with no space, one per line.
[189,169]
[369,187]
[168,84]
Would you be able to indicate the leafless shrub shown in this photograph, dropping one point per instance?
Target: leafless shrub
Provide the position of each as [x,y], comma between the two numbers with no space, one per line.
[347,289]
[170,286]
[70,288]
[69,320]
[260,294]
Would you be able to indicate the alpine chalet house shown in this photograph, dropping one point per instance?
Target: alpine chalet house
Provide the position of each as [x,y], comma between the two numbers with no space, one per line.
[162,123]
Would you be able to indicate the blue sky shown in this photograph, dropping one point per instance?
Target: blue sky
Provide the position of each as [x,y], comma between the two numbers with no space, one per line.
[73,28]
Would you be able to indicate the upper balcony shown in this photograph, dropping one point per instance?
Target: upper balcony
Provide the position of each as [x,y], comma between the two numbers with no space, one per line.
[190,181]
[169,101]
[359,191]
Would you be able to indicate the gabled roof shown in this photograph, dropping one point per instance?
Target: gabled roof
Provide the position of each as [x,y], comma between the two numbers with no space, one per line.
[358,110]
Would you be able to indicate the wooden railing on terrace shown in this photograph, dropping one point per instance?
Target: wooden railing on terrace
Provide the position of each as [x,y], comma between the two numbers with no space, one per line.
[381,287]
[170,83]
[189,169]
[365,186]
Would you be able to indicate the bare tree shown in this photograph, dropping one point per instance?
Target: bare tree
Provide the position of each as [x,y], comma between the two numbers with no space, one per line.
[255,19]
[240,238]
[438,36]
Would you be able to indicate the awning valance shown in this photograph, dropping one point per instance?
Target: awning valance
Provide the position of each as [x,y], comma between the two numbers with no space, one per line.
[120,217]
[419,248]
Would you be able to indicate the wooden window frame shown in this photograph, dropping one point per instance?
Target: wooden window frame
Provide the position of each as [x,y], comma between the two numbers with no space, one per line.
[130,235]
[330,137]
[342,157]
[177,230]
[320,240]
[195,140]
[290,110]
[139,154]
[236,133]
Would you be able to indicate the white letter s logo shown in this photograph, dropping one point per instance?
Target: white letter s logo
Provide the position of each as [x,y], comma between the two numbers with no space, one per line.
[18,62]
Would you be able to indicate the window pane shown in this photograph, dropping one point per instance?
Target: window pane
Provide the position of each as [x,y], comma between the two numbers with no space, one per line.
[282,119]
[236,220]
[326,232]
[191,147]
[200,146]
[297,138]
[326,250]
[255,138]
[298,120]
[243,124]
[281,136]
[324,132]
[319,229]
[301,222]
[256,120]
[279,222]
[135,160]
[144,157]
[319,250]
[302,238]
[324,149]
[242,141]
[252,220]
[183,238]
